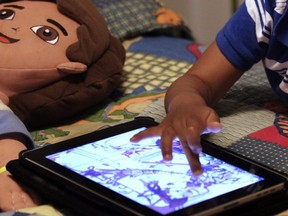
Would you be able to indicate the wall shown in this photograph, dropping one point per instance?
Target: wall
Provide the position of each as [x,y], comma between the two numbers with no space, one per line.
[204,17]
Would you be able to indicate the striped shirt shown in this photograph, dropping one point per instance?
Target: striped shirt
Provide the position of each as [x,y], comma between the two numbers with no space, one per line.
[258,31]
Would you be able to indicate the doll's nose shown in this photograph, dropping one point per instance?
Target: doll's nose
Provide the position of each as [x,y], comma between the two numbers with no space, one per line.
[16,29]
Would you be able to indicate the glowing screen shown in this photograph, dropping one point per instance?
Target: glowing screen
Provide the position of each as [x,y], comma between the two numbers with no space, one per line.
[137,171]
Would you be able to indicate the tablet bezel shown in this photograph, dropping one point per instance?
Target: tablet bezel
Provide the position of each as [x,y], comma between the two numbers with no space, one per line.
[36,159]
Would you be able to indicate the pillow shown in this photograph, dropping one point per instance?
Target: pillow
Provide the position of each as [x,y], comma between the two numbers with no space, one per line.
[131,18]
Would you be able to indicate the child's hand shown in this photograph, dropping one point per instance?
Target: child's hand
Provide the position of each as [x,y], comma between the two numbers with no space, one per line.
[13,196]
[187,123]
[188,102]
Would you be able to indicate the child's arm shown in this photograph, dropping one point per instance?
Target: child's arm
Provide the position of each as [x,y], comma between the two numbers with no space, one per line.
[13,139]
[188,104]
[10,145]
[12,195]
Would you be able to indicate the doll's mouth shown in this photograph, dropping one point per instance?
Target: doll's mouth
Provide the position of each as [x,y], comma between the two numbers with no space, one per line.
[7,40]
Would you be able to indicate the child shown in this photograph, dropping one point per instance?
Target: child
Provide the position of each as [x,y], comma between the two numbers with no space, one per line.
[257,31]
[40,46]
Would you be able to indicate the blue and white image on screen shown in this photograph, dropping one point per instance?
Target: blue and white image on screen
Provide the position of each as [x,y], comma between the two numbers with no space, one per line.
[138,172]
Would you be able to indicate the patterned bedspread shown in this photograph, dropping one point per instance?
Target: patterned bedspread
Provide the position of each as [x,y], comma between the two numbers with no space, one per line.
[250,129]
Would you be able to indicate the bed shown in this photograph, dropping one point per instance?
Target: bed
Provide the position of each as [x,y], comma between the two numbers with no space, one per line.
[157,53]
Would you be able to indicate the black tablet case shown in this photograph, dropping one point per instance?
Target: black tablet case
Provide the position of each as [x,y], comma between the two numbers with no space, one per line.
[56,194]
[73,204]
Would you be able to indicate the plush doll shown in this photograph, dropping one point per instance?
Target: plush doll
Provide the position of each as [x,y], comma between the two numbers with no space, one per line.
[57,58]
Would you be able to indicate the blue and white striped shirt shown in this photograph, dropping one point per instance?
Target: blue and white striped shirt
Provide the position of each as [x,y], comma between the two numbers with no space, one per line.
[259,31]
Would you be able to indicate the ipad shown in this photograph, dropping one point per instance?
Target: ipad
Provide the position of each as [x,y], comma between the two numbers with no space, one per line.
[106,169]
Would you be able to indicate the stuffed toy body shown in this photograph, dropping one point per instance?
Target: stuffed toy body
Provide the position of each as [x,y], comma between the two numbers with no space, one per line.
[54,56]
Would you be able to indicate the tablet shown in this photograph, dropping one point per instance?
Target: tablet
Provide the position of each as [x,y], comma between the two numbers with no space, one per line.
[106,169]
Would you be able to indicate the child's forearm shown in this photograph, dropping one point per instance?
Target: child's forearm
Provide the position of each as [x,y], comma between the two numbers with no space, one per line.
[10,147]
[206,82]
[14,137]
[183,93]
[13,195]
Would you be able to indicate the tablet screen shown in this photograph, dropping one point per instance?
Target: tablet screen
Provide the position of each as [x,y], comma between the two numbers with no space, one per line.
[137,171]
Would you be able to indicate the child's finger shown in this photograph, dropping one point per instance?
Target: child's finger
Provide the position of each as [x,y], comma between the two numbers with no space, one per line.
[193,139]
[213,124]
[213,127]
[166,143]
[193,160]
[150,132]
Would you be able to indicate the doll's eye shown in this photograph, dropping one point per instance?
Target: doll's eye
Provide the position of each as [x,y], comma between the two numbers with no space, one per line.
[46,33]
[7,14]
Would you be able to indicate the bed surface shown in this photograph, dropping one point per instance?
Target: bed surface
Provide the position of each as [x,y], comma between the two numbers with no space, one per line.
[156,56]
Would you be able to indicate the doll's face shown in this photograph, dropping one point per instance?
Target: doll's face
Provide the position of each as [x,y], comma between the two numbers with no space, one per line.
[34,37]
